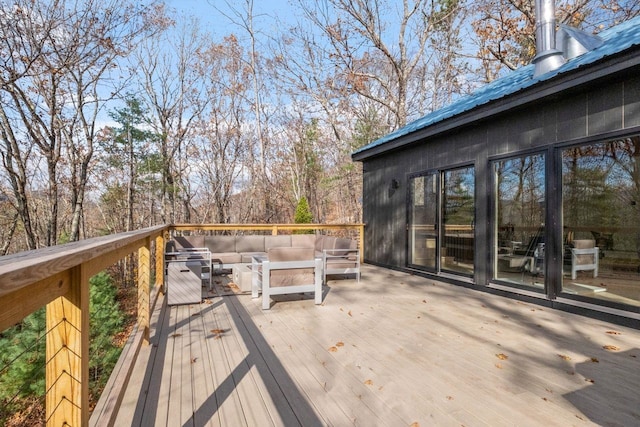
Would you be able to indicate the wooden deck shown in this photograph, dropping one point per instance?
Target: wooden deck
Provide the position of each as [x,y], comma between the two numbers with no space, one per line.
[393,350]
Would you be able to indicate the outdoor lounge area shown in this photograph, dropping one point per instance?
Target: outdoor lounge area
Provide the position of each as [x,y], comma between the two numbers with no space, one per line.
[392,350]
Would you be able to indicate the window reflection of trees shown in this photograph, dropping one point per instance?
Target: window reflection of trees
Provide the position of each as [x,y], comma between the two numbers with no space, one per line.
[521,198]
[601,194]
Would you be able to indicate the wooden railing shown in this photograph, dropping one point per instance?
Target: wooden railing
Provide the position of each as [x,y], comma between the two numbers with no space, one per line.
[58,277]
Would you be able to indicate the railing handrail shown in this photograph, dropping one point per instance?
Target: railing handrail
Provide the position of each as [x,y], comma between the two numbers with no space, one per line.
[264,227]
[38,274]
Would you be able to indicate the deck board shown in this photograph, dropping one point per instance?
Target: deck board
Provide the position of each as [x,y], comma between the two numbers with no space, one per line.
[392,350]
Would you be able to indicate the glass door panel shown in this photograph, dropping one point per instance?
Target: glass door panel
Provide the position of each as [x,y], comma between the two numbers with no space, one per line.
[423,229]
[458,220]
[520,210]
[601,220]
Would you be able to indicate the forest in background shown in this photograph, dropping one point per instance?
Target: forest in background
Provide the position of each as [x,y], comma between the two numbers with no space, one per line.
[117,115]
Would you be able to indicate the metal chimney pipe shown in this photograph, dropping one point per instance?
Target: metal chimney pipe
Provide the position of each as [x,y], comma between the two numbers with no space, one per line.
[547,58]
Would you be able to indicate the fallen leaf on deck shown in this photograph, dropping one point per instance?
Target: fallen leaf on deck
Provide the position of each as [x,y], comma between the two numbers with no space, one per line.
[217,331]
[614,333]
[349,313]
[196,314]
[611,347]
[595,360]
[339,344]
[368,382]
[499,366]
[449,397]
[564,357]
[416,424]
[424,301]
[589,380]
[194,360]
[333,349]
[176,335]
[502,356]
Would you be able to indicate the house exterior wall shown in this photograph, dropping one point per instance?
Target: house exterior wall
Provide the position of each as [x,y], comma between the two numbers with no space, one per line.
[603,109]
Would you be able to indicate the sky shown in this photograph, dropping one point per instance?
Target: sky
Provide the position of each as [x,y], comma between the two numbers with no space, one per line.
[265,12]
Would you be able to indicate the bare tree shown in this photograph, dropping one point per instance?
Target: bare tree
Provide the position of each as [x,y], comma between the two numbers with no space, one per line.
[505,29]
[62,54]
[377,46]
[223,147]
[261,206]
[172,89]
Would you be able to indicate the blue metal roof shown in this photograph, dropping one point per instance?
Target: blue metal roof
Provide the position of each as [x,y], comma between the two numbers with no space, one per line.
[615,40]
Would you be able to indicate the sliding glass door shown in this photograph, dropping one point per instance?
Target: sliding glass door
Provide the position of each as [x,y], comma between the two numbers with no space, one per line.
[441,221]
[601,221]
[423,228]
[458,220]
[519,219]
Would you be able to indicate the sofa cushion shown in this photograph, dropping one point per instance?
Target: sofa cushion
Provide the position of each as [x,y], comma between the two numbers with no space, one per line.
[279,241]
[341,263]
[584,259]
[247,257]
[304,240]
[328,242]
[185,242]
[341,243]
[220,244]
[291,276]
[227,257]
[250,243]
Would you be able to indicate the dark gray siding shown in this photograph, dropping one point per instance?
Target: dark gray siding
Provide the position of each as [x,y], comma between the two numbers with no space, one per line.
[601,109]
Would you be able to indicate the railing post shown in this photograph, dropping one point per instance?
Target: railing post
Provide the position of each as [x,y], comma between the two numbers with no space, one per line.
[144,277]
[67,354]
[361,241]
[160,261]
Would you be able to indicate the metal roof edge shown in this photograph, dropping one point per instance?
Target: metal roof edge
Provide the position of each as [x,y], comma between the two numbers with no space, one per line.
[574,73]
[612,65]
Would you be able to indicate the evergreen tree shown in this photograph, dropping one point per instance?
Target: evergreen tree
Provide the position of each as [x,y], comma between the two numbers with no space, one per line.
[22,349]
[303,215]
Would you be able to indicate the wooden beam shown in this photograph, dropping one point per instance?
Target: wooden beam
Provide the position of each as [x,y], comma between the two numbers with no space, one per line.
[262,227]
[25,268]
[18,305]
[67,354]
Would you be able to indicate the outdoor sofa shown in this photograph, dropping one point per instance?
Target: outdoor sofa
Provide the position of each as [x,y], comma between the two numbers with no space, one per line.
[340,256]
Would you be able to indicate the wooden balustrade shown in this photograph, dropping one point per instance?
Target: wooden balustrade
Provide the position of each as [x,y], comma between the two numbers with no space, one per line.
[58,277]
